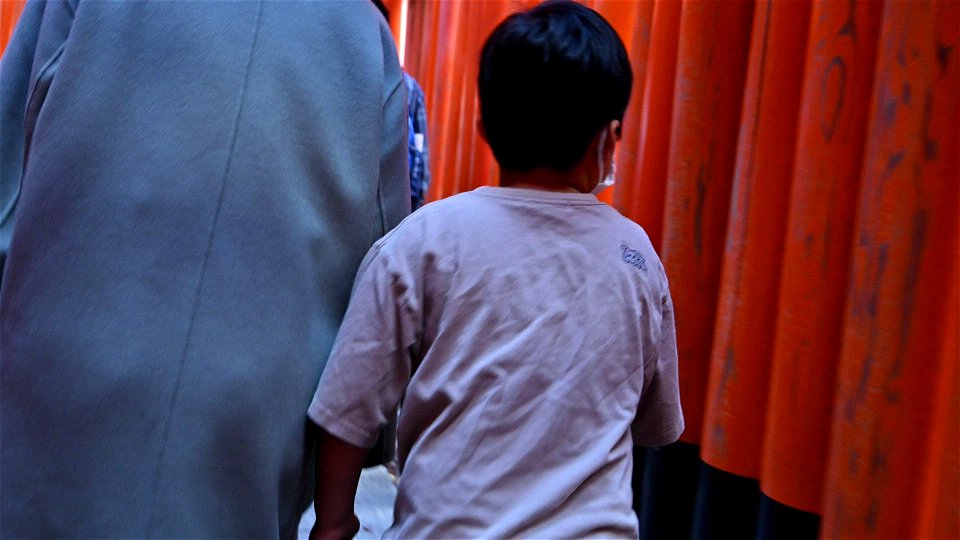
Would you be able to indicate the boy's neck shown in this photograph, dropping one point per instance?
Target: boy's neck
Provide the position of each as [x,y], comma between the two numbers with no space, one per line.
[543,179]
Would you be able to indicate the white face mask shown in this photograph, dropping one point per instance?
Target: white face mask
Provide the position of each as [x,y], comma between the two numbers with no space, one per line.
[611,177]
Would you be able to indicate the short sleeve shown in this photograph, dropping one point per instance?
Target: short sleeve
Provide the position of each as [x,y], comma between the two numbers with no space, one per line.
[369,366]
[659,419]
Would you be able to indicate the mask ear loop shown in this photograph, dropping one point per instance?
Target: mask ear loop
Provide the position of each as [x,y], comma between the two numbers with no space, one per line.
[600,167]
[608,179]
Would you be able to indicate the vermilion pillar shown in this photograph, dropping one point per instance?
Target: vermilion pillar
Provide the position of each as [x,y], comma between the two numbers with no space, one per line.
[711,62]
[9,14]
[903,271]
[829,152]
[638,44]
[645,189]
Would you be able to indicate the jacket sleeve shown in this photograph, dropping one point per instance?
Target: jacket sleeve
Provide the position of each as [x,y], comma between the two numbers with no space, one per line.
[394,189]
[27,69]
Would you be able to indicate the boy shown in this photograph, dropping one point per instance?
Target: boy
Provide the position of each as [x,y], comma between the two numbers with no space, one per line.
[527,328]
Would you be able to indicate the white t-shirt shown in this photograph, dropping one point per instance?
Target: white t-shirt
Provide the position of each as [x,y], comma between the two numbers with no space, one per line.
[526,333]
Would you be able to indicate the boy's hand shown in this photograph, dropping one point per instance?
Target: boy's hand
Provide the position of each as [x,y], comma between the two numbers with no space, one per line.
[345,532]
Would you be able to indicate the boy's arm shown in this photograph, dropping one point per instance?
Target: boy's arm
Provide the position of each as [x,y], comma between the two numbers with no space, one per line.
[659,419]
[364,379]
[338,472]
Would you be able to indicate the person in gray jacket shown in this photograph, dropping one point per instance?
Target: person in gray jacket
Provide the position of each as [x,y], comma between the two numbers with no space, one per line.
[187,190]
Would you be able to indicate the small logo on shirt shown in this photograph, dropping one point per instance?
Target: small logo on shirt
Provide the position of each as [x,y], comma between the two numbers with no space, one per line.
[632,256]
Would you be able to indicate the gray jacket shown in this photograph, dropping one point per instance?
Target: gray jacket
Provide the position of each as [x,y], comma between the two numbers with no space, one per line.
[201,181]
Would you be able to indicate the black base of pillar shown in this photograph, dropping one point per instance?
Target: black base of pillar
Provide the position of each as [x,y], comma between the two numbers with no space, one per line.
[639,457]
[726,506]
[669,489]
[678,496]
[778,521]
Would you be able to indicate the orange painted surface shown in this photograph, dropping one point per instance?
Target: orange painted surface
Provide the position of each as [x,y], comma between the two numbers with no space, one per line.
[711,63]
[905,249]
[395,7]
[646,149]
[747,310]
[940,507]
[638,45]
[443,47]
[829,152]
[9,14]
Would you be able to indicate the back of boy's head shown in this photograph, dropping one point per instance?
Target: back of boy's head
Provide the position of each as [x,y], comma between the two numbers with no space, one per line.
[550,79]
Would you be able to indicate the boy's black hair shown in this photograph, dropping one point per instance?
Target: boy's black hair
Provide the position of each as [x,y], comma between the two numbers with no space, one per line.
[550,79]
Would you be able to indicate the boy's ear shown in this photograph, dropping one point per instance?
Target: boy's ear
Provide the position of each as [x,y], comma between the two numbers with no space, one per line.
[483,132]
[613,137]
